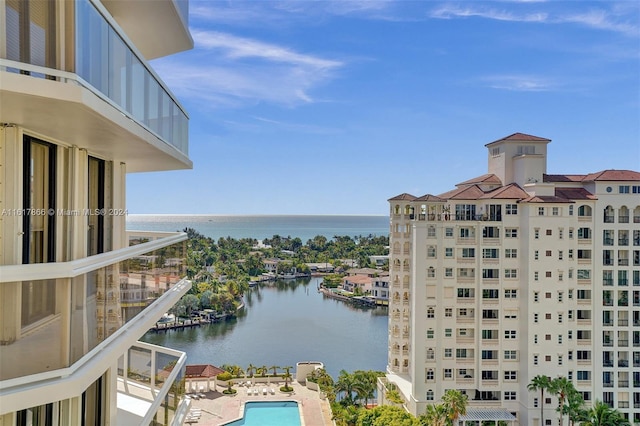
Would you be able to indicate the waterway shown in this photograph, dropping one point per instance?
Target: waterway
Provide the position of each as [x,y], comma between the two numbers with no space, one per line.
[287,322]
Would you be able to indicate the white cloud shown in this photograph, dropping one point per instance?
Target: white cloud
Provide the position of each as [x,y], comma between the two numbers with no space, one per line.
[450,12]
[519,83]
[239,47]
[230,71]
[617,18]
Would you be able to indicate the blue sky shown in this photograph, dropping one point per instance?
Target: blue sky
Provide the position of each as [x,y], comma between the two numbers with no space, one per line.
[323,107]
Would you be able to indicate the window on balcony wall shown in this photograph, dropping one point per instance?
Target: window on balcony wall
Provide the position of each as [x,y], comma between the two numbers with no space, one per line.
[494,212]
[99,198]
[584,211]
[31,32]
[490,253]
[491,273]
[609,215]
[465,212]
[468,253]
[511,233]
[490,232]
[584,233]
[607,237]
[39,195]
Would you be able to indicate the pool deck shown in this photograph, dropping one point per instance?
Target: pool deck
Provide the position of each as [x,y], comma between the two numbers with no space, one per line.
[218,409]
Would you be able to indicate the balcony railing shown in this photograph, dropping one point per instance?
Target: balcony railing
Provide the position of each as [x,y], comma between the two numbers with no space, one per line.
[107,65]
[70,308]
[155,375]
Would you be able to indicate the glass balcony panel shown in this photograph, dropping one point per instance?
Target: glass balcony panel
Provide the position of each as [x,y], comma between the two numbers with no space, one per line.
[71,316]
[105,62]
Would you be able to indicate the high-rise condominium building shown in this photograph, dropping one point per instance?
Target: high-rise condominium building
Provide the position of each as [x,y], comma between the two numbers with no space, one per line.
[80,107]
[514,274]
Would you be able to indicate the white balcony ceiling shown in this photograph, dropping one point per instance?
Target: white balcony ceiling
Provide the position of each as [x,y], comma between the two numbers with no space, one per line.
[73,115]
[154,26]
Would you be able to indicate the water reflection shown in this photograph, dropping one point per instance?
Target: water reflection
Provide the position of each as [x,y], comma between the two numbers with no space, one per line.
[285,322]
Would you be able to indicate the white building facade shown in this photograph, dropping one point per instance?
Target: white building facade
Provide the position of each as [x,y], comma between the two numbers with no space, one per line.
[514,274]
[80,107]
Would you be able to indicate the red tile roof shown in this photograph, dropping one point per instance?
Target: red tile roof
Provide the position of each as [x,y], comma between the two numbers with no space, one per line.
[605,175]
[464,193]
[562,178]
[403,197]
[509,192]
[575,194]
[202,370]
[613,175]
[521,137]
[429,197]
[486,178]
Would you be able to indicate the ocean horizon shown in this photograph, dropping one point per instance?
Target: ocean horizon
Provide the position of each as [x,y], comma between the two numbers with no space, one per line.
[260,227]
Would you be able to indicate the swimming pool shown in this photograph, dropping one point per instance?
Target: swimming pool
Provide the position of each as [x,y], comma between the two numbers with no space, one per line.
[276,413]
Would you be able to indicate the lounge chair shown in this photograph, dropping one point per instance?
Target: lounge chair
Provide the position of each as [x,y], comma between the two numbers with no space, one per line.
[264,391]
[249,391]
[255,391]
[272,391]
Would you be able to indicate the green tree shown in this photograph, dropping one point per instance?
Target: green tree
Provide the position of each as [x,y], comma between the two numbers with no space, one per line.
[455,402]
[540,383]
[347,385]
[275,370]
[386,415]
[367,382]
[562,387]
[435,415]
[603,415]
[250,369]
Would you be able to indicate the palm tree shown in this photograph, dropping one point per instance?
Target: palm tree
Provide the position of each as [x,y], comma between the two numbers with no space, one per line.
[348,385]
[540,383]
[436,415]
[603,415]
[562,387]
[250,369]
[275,370]
[574,407]
[367,381]
[286,376]
[455,402]
[263,370]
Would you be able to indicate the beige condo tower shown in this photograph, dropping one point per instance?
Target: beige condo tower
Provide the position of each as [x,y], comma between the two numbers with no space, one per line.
[513,274]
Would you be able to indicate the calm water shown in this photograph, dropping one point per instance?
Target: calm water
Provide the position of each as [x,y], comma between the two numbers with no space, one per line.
[285,323]
[304,227]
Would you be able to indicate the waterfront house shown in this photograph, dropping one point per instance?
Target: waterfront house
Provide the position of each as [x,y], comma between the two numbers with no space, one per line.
[368,272]
[380,288]
[353,282]
[80,108]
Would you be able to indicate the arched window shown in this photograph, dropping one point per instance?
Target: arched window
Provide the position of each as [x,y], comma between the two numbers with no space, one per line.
[431,313]
[430,354]
[584,211]
[405,296]
[430,395]
[396,209]
[636,215]
[623,215]
[609,215]
[396,363]
[405,280]
[405,363]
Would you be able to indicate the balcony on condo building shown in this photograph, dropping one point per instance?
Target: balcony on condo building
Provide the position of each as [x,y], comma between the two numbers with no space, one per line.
[101,95]
[75,308]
